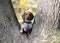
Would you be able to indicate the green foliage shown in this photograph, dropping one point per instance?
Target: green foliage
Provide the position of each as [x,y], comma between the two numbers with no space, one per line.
[22,5]
[58,41]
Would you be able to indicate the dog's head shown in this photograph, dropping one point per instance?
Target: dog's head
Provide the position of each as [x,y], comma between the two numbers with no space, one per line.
[27,16]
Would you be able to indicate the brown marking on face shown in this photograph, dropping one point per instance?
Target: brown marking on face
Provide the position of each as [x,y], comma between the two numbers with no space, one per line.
[27,15]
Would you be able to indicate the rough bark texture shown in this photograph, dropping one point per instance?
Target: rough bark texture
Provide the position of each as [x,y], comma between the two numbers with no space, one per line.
[47,22]
[46,25]
[9,27]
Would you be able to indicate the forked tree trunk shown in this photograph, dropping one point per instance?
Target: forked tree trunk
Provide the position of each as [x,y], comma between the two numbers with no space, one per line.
[45,29]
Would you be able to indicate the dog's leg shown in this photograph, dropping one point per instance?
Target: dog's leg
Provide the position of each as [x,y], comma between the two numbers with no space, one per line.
[21,31]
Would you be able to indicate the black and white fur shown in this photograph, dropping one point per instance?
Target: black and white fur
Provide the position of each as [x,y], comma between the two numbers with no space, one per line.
[27,25]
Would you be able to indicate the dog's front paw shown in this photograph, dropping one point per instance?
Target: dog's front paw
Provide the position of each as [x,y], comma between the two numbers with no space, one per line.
[21,31]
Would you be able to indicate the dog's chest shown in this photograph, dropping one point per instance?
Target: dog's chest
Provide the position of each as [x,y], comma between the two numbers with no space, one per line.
[26,25]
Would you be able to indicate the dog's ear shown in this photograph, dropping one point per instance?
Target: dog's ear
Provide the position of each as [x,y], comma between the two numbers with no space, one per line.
[31,16]
[23,16]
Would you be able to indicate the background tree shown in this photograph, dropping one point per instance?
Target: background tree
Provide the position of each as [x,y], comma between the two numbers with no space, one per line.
[45,29]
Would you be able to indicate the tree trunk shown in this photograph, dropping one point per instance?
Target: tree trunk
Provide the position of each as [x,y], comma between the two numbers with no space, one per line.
[9,26]
[47,22]
[45,29]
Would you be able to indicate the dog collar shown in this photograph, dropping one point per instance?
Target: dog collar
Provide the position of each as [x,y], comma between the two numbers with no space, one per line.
[27,22]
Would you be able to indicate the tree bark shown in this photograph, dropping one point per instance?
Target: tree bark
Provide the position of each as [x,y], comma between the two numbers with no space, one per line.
[9,26]
[46,25]
[47,22]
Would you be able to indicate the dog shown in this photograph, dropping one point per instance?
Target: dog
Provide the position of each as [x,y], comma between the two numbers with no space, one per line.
[26,26]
